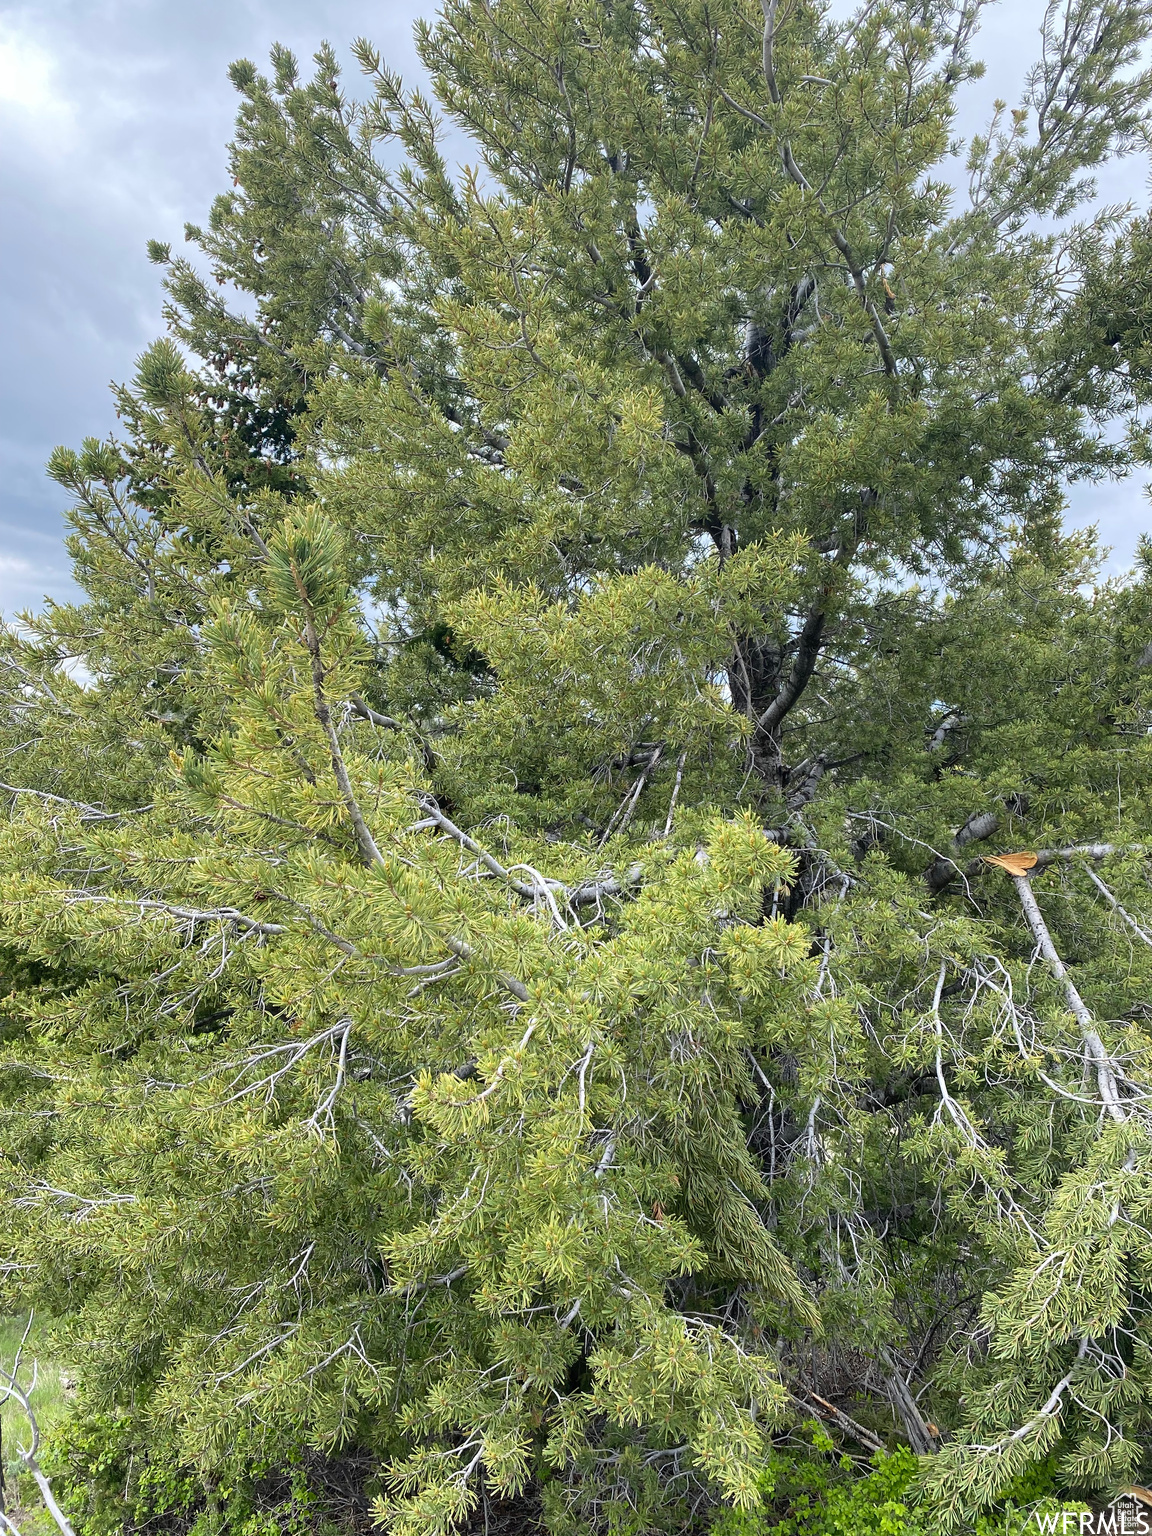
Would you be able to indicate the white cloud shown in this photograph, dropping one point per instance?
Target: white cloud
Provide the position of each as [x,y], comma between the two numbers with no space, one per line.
[34,104]
[27,72]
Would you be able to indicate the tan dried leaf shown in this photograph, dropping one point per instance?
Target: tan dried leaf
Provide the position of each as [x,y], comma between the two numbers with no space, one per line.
[1014,863]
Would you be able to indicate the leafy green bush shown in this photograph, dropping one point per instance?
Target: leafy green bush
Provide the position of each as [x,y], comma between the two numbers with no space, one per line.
[820,1494]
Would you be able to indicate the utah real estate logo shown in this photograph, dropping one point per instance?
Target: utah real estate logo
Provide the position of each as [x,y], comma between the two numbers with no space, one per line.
[1129,1514]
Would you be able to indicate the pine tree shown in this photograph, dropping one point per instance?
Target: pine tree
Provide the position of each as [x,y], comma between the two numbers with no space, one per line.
[590,907]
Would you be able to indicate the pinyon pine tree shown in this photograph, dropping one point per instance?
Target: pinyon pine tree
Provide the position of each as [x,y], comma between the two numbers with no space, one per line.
[583,938]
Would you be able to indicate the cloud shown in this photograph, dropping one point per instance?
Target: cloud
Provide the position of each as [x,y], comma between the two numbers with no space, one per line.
[33,566]
[115,117]
[28,77]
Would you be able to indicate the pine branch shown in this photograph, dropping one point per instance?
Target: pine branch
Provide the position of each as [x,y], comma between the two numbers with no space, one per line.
[386,722]
[1104,1063]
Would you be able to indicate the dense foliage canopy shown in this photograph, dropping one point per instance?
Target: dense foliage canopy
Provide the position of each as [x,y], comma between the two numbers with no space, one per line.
[507,995]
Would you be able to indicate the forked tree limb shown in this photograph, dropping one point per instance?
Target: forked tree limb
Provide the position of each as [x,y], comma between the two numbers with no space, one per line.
[11,1389]
[1140,932]
[981,826]
[405,727]
[1102,1062]
[585,893]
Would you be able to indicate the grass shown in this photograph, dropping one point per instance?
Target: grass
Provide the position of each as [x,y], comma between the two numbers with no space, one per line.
[47,1398]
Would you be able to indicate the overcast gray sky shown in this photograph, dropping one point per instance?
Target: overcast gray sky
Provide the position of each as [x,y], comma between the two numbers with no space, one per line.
[114,116]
